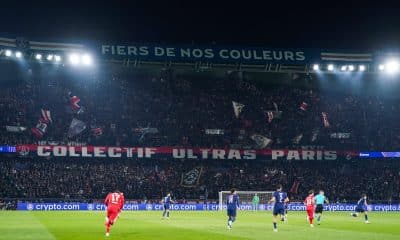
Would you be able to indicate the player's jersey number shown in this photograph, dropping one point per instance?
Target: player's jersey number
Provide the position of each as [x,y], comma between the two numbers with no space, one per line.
[115,198]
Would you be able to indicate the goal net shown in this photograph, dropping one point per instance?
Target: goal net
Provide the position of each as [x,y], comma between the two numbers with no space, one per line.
[246,199]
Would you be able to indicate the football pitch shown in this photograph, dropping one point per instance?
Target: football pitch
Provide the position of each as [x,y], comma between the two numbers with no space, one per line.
[71,225]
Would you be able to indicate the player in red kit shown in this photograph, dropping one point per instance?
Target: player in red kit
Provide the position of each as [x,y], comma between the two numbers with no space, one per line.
[310,204]
[114,203]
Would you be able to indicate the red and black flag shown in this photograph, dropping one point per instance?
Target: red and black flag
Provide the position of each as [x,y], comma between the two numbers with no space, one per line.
[41,127]
[303,106]
[75,103]
[96,131]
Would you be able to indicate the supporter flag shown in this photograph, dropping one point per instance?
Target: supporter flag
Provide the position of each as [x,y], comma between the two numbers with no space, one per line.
[237,108]
[260,140]
[41,127]
[144,131]
[295,186]
[325,119]
[303,106]
[96,131]
[15,129]
[76,127]
[45,116]
[74,103]
[191,178]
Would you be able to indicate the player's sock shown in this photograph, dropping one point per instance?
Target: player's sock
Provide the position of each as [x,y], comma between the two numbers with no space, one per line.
[167,214]
[108,227]
[164,213]
[366,217]
[354,215]
[275,226]
[319,218]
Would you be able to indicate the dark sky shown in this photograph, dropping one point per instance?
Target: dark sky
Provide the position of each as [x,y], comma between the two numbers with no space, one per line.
[226,23]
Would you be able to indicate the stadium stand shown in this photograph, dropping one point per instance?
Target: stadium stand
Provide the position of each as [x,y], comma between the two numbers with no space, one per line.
[125,107]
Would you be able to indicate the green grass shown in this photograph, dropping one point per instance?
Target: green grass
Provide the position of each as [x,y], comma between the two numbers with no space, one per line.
[193,226]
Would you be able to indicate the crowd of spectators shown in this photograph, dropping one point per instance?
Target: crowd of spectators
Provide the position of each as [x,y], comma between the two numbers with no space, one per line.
[124,103]
[181,107]
[150,179]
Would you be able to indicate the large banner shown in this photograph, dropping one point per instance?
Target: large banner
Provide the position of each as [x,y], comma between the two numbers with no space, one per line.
[188,207]
[228,55]
[179,153]
[217,54]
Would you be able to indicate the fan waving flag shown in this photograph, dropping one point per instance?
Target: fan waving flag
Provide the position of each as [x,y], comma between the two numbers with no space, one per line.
[96,131]
[39,130]
[76,127]
[41,127]
[325,119]
[15,129]
[237,108]
[46,116]
[303,106]
[191,178]
[260,140]
[74,103]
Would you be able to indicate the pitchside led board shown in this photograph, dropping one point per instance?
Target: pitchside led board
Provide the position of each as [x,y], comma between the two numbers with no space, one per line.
[189,207]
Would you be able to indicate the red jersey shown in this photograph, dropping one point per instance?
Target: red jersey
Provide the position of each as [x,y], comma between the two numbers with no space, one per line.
[115,200]
[309,201]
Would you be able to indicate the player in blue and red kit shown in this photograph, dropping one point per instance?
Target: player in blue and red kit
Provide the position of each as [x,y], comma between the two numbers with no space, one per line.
[167,201]
[362,207]
[232,205]
[279,199]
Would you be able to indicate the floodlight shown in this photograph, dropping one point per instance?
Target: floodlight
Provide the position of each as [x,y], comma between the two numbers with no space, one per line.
[392,67]
[8,53]
[49,57]
[343,68]
[381,67]
[351,68]
[361,68]
[57,58]
[74,59]
[38,56]
[87,59]
[315,67]
[18,54]
[330,67]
